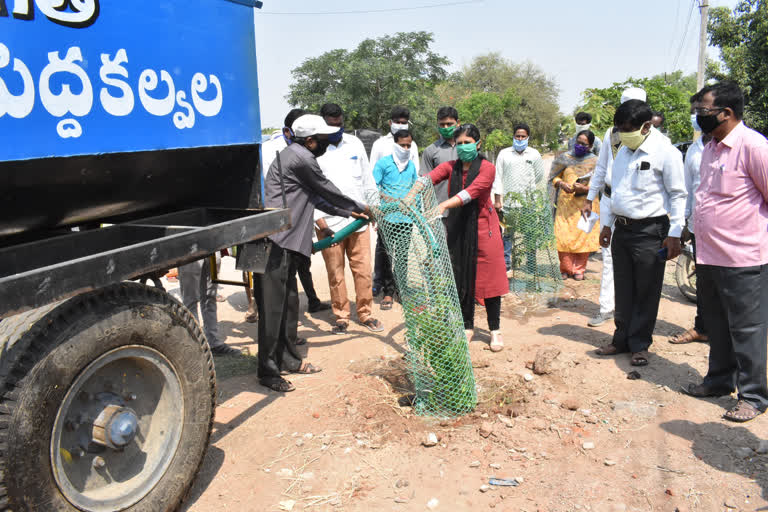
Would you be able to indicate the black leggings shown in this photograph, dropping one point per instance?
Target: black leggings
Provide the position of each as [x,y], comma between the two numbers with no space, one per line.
[492,311]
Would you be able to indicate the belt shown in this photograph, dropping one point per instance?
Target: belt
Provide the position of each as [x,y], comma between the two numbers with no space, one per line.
[626,221]
[607,191]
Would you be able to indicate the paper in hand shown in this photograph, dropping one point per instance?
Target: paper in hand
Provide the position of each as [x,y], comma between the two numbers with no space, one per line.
[587,224]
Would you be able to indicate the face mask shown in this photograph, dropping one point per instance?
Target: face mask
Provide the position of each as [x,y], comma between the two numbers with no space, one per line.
[520,145]
[397,127]
[335,138]
[581,127]
[467,152]
[580,150]
[287,140]
[400,153]
[321,148]
[633,140]
[446,132]
[708,124]
[694,123]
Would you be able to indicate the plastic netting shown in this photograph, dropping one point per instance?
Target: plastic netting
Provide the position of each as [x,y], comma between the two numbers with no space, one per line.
[438,357]
[529,229]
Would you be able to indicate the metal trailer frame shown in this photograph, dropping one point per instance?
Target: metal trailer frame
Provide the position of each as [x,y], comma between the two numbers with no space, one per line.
[41,272]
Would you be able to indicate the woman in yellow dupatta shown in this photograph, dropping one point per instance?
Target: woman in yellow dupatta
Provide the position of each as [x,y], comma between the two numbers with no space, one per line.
[570,177]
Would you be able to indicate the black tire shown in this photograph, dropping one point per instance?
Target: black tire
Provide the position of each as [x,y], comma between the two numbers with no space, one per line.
[48,349]
[685,276]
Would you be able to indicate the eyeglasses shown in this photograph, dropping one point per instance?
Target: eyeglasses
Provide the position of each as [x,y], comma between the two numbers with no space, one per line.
[708,111]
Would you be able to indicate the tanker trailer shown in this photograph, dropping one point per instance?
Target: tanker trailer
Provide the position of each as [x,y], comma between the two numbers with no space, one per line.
[130,144]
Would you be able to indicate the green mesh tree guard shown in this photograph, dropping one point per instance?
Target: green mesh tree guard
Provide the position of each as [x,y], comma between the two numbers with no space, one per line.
[529,224]
[438,356]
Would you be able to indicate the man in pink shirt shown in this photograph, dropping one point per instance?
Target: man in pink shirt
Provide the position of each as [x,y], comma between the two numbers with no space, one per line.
[732,252]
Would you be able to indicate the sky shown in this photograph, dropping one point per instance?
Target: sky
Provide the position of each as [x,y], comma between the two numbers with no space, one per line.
[579,44]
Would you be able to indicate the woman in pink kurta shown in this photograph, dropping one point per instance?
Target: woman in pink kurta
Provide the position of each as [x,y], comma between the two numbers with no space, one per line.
[473,232]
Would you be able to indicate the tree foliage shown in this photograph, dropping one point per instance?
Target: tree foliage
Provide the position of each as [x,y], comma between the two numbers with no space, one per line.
[496,94]
[368,81]
[742,37]
[669,93]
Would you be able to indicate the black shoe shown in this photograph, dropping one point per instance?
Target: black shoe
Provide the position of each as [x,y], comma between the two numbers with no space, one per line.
[704,391]
[225,350]
[300,341]
[316,307]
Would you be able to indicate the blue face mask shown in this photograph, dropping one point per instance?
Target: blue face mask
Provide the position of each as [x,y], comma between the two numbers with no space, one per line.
[695,123]
[287,140]
[520,145]
[335,138]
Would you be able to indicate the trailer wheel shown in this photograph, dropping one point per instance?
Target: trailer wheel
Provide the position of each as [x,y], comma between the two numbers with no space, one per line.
[107,404]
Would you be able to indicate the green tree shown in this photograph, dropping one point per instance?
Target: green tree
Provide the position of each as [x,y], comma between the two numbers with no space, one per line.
[669,94]
[495,94]
[369,80]
[742,37]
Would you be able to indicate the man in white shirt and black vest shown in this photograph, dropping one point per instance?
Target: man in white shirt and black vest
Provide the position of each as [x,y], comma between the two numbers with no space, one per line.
[648,212]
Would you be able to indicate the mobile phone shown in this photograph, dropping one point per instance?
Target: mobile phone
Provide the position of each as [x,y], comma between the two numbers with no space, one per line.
[662,254]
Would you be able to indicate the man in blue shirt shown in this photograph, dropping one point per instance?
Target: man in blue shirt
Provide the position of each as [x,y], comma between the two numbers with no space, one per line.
[394,176]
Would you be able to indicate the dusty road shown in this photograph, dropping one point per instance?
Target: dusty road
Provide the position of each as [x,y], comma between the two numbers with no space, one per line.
[582,437]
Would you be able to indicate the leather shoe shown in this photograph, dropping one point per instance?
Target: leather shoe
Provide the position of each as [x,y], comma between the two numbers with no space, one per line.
[704,391]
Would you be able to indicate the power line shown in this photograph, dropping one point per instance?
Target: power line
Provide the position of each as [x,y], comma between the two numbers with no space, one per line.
[372,11]
[685,35]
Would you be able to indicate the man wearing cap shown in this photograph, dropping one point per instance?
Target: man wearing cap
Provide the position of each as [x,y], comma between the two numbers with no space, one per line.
[268,151]
[296,176]
[648,206]
[601,182]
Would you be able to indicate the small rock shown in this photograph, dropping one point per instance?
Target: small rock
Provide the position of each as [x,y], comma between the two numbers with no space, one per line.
[762,447]
[589,445]
[586,412]
[484,415]
[633,375]
[528,377]
[431,440]
[571,404]
[731,503]
[475,464]
[316,415]
[520,479]
[369,414]
[669,492]
[543,363]
[494,465]
[299,443]
[309,435]
[287,505]
[401,500]
[743,452]
[402,483]
[485,488]
[486,428]
[506,421]
[433,504]
[609,462]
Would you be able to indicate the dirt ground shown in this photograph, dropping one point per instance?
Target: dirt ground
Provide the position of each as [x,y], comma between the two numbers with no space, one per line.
[582,437]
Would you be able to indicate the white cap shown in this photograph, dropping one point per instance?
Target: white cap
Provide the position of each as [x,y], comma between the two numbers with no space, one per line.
[311,124]
[633,93]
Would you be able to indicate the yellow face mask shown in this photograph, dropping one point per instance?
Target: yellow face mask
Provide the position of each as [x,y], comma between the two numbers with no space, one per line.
[633,140]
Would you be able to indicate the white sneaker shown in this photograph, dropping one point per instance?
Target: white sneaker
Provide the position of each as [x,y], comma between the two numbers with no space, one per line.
[600,319]
[497,343]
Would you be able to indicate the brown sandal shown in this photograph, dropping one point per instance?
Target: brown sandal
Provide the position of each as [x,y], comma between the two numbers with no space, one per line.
[742,412]
[608,350]
[688,336]
[639,358]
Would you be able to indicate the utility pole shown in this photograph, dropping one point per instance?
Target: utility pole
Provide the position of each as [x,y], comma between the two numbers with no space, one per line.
[704,8]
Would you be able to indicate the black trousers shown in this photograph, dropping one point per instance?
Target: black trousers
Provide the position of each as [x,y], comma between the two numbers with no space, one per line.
[698,322]
[277,298]
[638,276]
[492,314]
[402,245]
[734,304]
[305,275]
[379,263]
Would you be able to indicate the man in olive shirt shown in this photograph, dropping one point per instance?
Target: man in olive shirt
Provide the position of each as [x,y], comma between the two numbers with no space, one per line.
[276,290]
[442,150]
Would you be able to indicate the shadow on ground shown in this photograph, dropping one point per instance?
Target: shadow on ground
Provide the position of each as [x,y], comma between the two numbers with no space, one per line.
[725,448]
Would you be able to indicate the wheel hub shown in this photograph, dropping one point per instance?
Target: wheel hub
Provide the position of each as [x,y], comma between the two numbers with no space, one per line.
[115,427]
